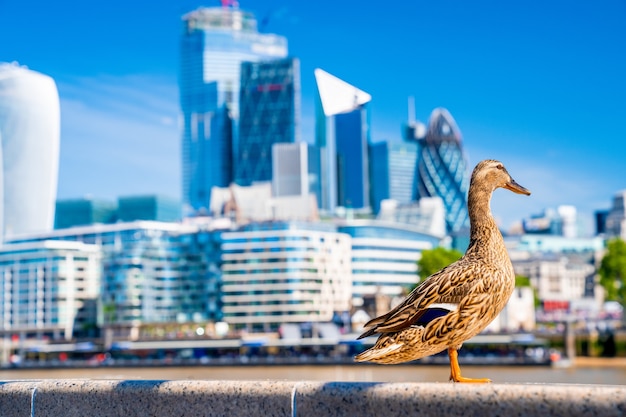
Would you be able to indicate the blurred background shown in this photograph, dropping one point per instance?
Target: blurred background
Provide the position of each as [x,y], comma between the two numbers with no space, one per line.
[249,182]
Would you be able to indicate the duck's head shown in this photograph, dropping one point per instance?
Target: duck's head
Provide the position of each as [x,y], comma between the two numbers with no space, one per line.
[492,174]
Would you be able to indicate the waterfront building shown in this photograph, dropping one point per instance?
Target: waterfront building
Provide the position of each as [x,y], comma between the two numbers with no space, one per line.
[392,170]
[152,273]
[295,169]
[215,42]
[148,207]
[284,272]
[83,212]
[29,160]
[442,168]
[616,219]
[269,114]
[342,134]
[565,285]
[49,288]
[384,257]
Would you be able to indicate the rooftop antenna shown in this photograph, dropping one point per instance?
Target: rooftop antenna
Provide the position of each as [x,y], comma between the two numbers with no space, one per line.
[411,110]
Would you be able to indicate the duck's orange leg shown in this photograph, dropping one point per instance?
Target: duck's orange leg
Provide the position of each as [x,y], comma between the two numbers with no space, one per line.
[455,370]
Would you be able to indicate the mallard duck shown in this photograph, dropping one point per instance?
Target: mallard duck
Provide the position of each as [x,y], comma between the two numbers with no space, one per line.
[458,302]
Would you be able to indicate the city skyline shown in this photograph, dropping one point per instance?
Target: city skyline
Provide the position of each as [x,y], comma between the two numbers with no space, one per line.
[540,91]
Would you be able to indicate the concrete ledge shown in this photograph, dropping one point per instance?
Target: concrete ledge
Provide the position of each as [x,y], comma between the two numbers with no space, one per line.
[60,398]
[16,398]
[441,399]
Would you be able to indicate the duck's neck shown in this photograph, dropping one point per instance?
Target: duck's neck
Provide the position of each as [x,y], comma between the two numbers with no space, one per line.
[484,231]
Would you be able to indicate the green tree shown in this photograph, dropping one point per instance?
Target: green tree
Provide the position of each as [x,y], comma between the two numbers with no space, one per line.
[433,260]
[522,281]
[613,270]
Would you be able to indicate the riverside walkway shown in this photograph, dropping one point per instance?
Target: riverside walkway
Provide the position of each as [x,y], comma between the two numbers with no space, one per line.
[145,398]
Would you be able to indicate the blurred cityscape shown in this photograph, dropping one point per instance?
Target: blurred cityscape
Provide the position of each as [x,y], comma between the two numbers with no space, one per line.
[280,248]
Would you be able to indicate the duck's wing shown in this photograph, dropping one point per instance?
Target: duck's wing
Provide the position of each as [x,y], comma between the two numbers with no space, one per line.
[446,287]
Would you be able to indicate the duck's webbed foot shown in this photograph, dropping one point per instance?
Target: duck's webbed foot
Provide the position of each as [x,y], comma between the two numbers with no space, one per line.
[455,370]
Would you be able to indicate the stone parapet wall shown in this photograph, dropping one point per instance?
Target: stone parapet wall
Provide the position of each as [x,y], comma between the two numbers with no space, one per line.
[69,398]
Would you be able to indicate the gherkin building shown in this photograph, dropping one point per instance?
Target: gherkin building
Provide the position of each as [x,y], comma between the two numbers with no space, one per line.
[442,168]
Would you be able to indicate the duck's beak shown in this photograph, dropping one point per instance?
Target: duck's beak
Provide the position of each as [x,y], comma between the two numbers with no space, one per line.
[516,188]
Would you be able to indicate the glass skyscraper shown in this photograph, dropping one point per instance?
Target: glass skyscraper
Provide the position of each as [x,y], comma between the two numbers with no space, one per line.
[29,150]
[342,131]
[392,169]
[214,43]
[442,168]
[269,114]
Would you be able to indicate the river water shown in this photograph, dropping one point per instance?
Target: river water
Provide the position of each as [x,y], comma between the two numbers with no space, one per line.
[606,375]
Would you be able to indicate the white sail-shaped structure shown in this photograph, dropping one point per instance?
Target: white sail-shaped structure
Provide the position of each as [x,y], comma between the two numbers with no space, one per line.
[29,150]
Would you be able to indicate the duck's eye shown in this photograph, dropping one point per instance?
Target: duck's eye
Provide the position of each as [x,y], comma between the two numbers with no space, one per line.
[499,166]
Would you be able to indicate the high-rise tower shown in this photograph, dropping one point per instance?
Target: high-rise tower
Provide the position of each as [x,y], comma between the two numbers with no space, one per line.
[442,168]
[342,131]
[392,168]
[29,150]
[214,43]
[270,113]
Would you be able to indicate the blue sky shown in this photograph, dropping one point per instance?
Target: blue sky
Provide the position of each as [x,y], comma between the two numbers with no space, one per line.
[539,85]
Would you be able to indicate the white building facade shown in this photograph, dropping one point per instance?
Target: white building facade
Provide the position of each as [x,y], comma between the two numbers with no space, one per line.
[284,274]
[29,150]
[49,287]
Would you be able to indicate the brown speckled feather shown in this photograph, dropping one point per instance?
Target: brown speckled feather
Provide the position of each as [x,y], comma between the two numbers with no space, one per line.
[479,285]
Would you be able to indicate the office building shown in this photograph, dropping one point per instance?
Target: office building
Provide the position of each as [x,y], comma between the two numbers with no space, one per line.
[150,273]
[562,284]
[153,276]
[83,212]
[88,211]
[269,114]
[600,217]
[215,42]
[562,222]
[49,288]
[392,171]
[615,223]
[29,150]
[284,272]
[342,134]
[384,257]
[148,207]
[295,169]
[442,168]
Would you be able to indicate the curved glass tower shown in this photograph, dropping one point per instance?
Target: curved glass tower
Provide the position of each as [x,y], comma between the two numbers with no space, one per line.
[442,168]
[29,150]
